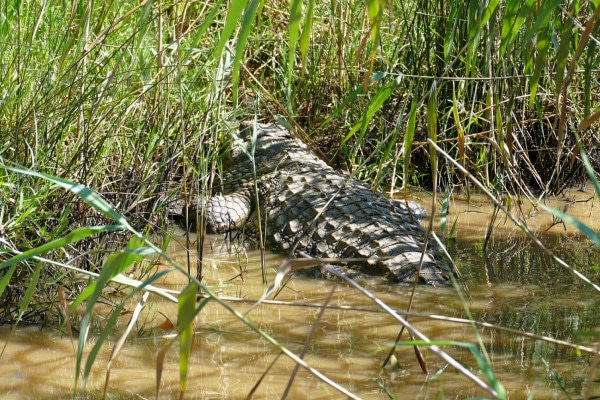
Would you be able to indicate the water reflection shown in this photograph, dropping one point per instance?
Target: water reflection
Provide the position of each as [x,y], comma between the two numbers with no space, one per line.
[512,284]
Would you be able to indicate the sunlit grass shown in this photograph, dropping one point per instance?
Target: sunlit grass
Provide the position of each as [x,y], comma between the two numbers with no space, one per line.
[128,106]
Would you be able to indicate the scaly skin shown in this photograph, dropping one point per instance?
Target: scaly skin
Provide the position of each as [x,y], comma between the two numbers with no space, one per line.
[307,208]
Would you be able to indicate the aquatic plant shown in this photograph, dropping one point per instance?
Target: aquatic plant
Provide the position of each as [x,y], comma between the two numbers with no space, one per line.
[127,106]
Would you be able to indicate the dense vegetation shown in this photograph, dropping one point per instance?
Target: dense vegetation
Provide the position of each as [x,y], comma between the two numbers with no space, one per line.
[138,100]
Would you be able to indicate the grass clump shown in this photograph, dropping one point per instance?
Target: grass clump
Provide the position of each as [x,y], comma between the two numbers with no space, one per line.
[97,96]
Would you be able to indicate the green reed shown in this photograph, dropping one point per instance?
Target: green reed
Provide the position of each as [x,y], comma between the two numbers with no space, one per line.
[135,100]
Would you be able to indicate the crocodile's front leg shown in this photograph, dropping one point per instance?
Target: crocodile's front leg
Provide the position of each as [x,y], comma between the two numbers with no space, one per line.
[230,212]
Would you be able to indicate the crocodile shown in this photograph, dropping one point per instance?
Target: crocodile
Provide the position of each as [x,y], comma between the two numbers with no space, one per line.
[308,209]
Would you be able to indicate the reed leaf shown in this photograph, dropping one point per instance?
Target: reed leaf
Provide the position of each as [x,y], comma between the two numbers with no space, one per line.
[114,265]
[121,341]
[515,14]
[376,103]
[143,21]
[200,33]
[247,23]
[306,31]
[543,17]
[234,12]
[488,12]
[432,122]
[562,56]
[542,46]
[110,325]
[451,30]
[408,138]
[124,259]
[580,226]
[186,312]
[444,215]
[75,236]
[86,194]
[460,132]
[555,376]
[352,96]
[591,62]
[4,281]
[30,291]
[474,28]
[293,34]
[160,362]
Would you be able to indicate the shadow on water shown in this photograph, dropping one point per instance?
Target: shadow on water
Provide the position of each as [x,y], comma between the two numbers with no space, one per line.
[513,285]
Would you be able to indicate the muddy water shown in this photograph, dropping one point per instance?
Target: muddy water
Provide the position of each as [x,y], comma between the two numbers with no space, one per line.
[511,284]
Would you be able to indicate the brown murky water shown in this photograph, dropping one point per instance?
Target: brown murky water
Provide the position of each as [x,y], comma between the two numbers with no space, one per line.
[513,285]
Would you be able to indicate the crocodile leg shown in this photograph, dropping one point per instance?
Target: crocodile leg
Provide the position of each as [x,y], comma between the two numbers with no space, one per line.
[230,212]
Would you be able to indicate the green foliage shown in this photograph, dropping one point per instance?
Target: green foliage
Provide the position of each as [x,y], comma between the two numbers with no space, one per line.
[185,320]
[111,110]
[97,96]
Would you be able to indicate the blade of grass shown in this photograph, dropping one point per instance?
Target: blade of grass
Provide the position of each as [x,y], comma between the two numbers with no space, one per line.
[562,56]
[86,194]
[24,302]
[247,23]
[119,344]
[580,226]
[75,236]
[186,312]
[444,215]
[285,268]
[432,122]
[554,374]
[451,30]
[376,103]
[29,292]
[338,110]
[543,17]
[295,12]
[577,347]
[114,265]
[460,132]
[109,327]
[63,306]
[262,377]
[514,17]
[408,140]
[6,277]
[306,31]
[160,363]
[542,46]
[234,12]
[125,258]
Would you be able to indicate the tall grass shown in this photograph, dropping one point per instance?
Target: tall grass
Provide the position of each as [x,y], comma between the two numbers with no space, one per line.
[135,101]
[99,97]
